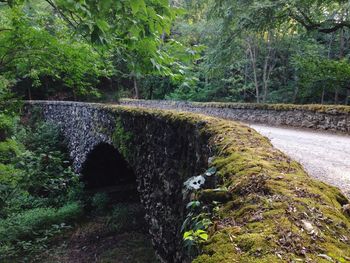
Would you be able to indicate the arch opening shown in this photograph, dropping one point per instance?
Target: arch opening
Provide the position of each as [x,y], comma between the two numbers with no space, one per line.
[123,215]
[105,170]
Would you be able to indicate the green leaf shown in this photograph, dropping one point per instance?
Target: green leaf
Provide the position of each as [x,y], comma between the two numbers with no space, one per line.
[204,236]
[102,24]
[137,5]
[105,4]
[96,35]
[188,235]
[193,204]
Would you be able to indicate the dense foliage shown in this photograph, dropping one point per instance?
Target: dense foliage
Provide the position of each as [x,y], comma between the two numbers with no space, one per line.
[39,193]
[66,50]
[269,51]
[204,50]
[75,50]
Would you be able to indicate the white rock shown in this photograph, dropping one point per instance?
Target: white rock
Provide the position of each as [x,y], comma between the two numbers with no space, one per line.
[308,226]
[195,182]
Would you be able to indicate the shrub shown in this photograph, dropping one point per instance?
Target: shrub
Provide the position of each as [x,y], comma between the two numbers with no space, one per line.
[24,225]
[46,170]
[47,175]
[100,202]
[9,178]
[9,150]
[38,189]
[42,137]
[7,126]
[126,217]
[33,225]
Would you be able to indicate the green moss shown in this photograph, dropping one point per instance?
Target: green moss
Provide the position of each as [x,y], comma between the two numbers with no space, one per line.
[271,193]
[122,139]
[330,109]
[210,195]
[270,196]
[255,243]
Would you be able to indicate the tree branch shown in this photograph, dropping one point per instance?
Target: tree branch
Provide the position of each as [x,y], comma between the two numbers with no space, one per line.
[327,26]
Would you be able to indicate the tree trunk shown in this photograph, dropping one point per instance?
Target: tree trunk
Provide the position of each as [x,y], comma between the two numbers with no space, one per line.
[341,43]
[151,92]
[269,66]
[341,56]
[245,81]
[296,88]
[136,89]
[46,81]
[252,54]
[29,93]
[347,99]
[265,87]
[265,73]
[336,95]
[322,96]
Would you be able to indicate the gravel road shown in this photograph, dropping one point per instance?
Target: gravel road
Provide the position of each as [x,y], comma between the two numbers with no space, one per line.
[325,156]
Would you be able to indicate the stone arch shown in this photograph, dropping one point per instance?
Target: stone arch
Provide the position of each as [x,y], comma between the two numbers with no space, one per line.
[163,152]
[105,169]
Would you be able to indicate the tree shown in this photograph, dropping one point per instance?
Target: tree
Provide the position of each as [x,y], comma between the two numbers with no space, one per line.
[35,49]
[136,29]
[253,46]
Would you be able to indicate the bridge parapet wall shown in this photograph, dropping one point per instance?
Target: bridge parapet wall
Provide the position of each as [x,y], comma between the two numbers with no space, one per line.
[83,126]
[163,150]
[267,208]
[318,117]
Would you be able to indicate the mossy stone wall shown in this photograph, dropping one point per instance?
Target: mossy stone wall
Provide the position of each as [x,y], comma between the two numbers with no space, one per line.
[321,117]
[270,209]
[163,150]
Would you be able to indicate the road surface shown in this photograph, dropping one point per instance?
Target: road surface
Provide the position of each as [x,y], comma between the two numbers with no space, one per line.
[324,156]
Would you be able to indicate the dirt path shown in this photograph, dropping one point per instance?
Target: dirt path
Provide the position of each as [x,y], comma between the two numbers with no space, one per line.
[325,156]
[117,236]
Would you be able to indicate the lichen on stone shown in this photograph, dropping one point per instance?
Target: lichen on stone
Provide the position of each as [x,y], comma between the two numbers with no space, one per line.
[268,202]
[122,139]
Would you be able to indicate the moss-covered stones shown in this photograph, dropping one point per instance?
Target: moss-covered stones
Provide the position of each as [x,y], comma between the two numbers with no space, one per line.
[271,210]
[322,117]
[272,198]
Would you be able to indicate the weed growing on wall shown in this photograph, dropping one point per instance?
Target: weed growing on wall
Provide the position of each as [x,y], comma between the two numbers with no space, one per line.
[195,227]
[199,214]
[122,139]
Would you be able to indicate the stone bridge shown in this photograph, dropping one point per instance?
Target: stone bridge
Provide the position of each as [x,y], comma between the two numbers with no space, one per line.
[317,136]
[335,118]
[263,206]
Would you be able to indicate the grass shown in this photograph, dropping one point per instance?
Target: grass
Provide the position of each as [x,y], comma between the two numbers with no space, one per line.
[117,235]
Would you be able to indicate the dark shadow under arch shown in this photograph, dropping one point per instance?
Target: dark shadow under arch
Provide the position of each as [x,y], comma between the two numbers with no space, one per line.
[105,170]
